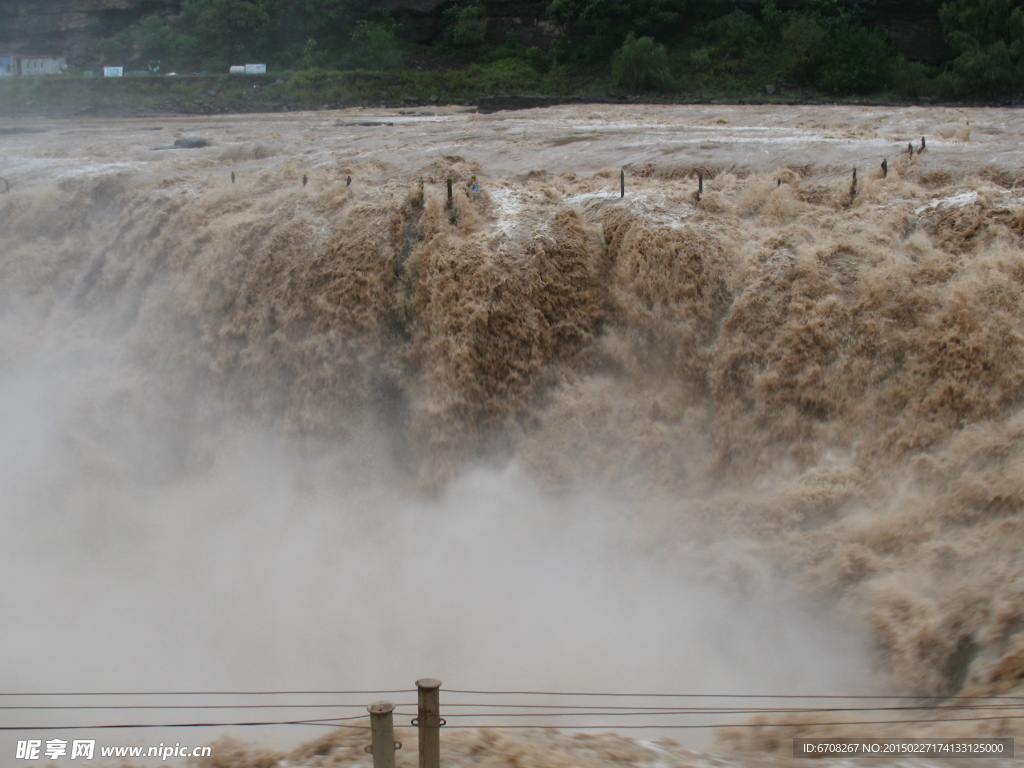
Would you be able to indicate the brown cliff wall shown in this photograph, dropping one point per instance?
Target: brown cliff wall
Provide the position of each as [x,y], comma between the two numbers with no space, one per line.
[70,27]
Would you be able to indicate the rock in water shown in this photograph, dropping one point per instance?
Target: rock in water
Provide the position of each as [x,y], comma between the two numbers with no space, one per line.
[193,143]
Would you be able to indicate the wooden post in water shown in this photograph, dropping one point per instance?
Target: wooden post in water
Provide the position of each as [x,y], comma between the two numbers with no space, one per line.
[449,193]
[622,183]
[382,734]
[885,168]
[429,721]
[348,181]
[853,185]
[700,182]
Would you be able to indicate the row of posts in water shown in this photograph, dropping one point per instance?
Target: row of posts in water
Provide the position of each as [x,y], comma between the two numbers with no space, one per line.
[428,720]
[885,166]
[622,177]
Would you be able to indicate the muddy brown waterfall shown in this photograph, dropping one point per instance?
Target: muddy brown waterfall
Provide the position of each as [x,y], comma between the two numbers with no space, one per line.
[768,441]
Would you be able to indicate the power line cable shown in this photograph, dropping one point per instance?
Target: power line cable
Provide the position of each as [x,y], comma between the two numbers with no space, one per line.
[211,693]
[331,722]
[729,695]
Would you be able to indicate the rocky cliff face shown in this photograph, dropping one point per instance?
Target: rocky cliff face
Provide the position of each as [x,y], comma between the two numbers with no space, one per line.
[70,27]
[918,36]
[523,20]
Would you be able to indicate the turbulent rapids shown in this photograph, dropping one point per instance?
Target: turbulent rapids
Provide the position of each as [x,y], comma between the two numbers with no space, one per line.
[242,391]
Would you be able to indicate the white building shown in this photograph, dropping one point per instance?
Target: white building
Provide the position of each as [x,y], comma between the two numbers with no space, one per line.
[41,65]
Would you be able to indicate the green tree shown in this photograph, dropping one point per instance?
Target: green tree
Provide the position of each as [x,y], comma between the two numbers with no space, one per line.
[804,42]
[465,25]
[825,42]
[988,38]
[375,45]
[329,23]
[738,32]
[856,60]
[158,39]
[314,56]
[118,49]
[641,64]
[592,29]
[229,30]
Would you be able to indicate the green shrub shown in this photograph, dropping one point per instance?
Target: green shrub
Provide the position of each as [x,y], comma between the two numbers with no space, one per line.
[738,32]
[538,59]
[912,79]
[314,55]
[986,70]
[228,31]
[375,45]
[118,49]
[856,60]
[804,42]
[589,29]
[988,38]
[641,64]
[510,76]
[158,39]
[465,25]
[701,59]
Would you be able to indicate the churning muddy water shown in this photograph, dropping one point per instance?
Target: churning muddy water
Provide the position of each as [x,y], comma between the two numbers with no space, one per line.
[276,413]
